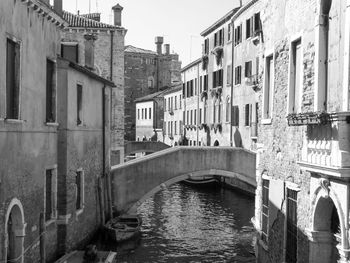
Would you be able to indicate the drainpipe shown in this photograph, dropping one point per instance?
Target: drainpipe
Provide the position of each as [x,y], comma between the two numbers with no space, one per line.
[232,72]
[197,117]
[112,47]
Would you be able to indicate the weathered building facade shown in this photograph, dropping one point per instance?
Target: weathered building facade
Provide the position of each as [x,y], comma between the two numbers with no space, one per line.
[173,122]
[147,72]
[100,47]
[30,42]
[150,117]
[302,198]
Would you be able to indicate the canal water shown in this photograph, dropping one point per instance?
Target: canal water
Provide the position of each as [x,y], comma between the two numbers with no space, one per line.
[191,224]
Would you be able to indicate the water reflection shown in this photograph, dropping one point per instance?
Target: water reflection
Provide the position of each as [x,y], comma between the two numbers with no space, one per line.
[184,224]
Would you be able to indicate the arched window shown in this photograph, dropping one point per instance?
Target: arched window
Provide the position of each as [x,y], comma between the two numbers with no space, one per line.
[150,82]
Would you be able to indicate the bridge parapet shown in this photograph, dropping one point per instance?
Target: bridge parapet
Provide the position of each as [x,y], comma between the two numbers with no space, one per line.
[149,147]
[135,180]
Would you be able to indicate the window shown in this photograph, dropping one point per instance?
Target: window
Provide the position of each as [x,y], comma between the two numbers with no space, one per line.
[50,92]
[180,102]
[268,88]
[249,27]
[175,130]
[238,35]
[194,143]
[219,112]
[79,104]
[191,85]
[169,104]
[175,98]
[69,51]
[217,78]
[138,114]
[187,120]
[265,210]
[180,127]
[235,115]
[205,113]
[248,116]
[79,184]
[228,109]
[164,104]
[214,113]
[183,91]
[238,77]
[195,87]
[50,194]
[172,103]
[164,127]
[200,116]
[195,117]
[12,79]
[292,229]
[169,129]
[206,82]
[150,83]
[191,117]
[206,46]
[145,114]
[200,84]
[229,32]
[219,38]
[295,77]
[248,69]
[150,113]
[229,75]
[89,51]
[257,24]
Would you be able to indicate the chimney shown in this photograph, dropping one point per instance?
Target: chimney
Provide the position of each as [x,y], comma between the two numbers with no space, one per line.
[159,42]
[57,6]
[167,49]
[117,14]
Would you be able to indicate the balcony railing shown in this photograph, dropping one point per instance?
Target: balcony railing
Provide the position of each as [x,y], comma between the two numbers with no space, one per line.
[252,81]
[326,144]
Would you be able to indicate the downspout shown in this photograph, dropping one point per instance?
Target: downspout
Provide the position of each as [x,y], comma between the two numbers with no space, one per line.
[232,72]
[197,117]
[112,47]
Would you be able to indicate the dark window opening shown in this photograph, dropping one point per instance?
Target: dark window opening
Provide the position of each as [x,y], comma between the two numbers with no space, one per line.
[50,92]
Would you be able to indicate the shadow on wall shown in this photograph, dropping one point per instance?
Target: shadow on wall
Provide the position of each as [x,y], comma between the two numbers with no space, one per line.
[237,138]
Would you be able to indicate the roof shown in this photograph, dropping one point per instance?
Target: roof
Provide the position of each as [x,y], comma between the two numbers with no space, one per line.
[132,49]
[88,72]
[244,8]
[150,96]
[93,16]
[174,88]
[197,61]
[82,21]
[220,22]
[117,7]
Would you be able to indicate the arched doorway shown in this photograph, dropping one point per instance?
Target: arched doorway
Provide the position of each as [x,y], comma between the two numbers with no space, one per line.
[14,232]
[327,224]
[216,143]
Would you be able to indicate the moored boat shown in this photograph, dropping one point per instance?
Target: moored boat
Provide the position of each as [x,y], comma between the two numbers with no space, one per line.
[201,181]
[80,257]
[123,227]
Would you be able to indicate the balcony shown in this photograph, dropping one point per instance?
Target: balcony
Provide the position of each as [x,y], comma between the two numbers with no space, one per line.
[326,144]
[310,118]
[216,92]
[252,81]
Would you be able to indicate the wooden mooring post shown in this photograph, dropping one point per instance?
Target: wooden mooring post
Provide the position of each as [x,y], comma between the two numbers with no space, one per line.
[42,238]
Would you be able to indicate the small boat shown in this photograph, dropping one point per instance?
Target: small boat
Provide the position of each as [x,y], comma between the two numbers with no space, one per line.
[80,257]
[123,227]
[201,181]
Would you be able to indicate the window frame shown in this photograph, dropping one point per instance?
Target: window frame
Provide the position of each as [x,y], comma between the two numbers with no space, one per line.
[80,209]
[265,236]
[54,213]
[80,106]
[267,115]
[18,44]
[53,94]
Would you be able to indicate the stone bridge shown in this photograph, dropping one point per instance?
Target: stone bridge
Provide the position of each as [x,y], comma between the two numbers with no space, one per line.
[148,147]
[135,181]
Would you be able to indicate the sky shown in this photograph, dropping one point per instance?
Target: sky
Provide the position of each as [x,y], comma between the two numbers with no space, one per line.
[180,22]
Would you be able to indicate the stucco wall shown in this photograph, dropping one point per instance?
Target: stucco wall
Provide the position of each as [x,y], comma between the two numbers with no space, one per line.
[28,147]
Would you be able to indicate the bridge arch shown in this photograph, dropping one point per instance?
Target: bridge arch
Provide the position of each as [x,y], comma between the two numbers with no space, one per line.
[146,146]
[136,180]
[180,178]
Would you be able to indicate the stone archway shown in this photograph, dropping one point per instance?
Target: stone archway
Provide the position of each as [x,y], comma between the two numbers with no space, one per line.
[14,232]
[328,231]
[216,143]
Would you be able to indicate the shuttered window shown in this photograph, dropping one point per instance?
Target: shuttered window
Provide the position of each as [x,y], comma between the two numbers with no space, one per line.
[12,79]
[265,209]
[235,115]
[292,229]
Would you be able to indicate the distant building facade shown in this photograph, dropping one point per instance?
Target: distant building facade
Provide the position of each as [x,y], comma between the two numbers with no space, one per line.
[100,48]
[173,122]
[150,117]
[147,72]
